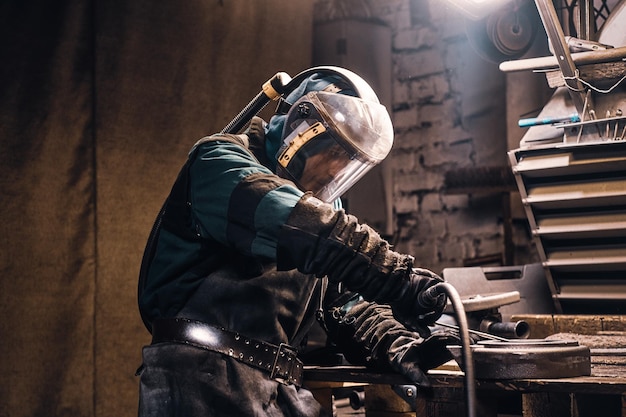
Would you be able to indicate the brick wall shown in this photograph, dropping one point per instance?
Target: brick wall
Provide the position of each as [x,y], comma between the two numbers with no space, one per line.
[449,112]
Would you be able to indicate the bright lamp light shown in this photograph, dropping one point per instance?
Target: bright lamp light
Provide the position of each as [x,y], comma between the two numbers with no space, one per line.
[477,9]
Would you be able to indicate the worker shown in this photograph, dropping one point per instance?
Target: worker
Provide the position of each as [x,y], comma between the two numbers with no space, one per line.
[251,247]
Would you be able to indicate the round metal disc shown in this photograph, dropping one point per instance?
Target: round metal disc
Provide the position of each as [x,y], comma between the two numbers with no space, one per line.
[527,359]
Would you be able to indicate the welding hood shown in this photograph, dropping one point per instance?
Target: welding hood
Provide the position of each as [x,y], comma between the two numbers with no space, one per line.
[331,140]
[328,131]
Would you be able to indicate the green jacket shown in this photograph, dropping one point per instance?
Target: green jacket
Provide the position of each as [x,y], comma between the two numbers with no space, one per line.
[213,251]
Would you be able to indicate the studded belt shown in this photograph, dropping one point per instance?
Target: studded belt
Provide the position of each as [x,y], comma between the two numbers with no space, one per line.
[279,361]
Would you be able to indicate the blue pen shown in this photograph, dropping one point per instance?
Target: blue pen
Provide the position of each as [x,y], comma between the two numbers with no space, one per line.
[536,121]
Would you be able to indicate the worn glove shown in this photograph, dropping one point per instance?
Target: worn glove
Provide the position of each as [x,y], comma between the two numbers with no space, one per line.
[368,334]
[411,357]
[418,307]
[256,138]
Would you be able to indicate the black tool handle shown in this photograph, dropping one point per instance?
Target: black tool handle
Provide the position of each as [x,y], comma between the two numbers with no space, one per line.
[272,90]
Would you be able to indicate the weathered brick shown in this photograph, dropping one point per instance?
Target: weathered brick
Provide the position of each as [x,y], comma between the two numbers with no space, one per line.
[415,38]
[431,202]
[437,113]
[418,64]
[454,202]
[453,251]
[401,93]
[446,115]
[424,180]
[433,88]
[440,154]
[403,161]
[404,119]
[405,204]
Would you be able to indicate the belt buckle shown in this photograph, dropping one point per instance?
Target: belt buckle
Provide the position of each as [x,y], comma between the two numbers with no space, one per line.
[284,350]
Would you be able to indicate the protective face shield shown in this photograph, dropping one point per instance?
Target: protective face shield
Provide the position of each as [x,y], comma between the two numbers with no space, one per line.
[331,140]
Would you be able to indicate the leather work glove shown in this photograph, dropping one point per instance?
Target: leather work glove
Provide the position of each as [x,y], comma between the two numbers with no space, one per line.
[417,307]
[256,138]
[368,334]
[412,357]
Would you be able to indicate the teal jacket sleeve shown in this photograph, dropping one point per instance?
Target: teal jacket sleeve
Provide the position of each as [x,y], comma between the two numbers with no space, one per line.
[236,201]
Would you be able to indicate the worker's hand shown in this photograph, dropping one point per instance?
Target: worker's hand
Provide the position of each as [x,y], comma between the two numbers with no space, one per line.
[412,357]
[256,128]
[368,334]
[256,139]
[420,307]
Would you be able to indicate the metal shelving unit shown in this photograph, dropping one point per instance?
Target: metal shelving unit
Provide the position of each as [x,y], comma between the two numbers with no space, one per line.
[575,200]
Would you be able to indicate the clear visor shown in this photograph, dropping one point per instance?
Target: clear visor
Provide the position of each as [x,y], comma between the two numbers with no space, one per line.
[332,141]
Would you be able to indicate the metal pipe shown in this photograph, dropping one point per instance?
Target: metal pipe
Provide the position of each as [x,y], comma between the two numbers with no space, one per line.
[511,330]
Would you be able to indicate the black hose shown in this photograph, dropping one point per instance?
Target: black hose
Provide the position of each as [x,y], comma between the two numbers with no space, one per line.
[245,115]
[468,360]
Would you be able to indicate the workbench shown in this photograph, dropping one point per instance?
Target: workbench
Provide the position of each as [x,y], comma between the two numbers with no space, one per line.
[602,394]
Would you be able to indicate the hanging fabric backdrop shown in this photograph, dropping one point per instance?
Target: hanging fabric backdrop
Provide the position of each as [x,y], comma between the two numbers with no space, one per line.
[99,104]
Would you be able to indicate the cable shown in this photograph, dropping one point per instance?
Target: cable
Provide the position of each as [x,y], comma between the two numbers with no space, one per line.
[427,297]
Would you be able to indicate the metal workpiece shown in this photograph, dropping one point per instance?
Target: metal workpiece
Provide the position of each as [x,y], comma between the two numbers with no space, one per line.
[526,359]
[519,329]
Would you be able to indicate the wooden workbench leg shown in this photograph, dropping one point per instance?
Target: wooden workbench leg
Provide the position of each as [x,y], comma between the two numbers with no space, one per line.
[546,404]
[323,392]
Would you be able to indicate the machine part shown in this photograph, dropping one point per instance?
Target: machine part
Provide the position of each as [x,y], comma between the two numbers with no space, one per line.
[561,50]
[484,302]
[507,33]
[549,62]
[582,45]
[534,358]
[408,393]
[574,196]
[357,399]
[528,280]
[510,330]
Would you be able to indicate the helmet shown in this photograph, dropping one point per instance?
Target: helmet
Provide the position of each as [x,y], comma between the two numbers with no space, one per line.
[332,136]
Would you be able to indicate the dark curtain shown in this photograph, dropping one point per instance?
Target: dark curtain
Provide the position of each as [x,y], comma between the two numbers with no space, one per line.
[99,104]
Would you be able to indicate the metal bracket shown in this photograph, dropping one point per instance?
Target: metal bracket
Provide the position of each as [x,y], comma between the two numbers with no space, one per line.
[556,37]
[408,393]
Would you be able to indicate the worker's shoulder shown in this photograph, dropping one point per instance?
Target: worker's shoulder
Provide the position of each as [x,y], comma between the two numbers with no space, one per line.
[216,139]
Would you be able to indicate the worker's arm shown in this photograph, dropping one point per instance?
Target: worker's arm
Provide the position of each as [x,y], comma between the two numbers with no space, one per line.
[368,334]
[236,200]
[319,240]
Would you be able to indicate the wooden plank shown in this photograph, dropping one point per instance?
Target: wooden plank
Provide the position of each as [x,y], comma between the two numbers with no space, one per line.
[545,404]
[598,75]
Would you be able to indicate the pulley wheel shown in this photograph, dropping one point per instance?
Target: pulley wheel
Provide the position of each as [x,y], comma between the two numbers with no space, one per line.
[506,34]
